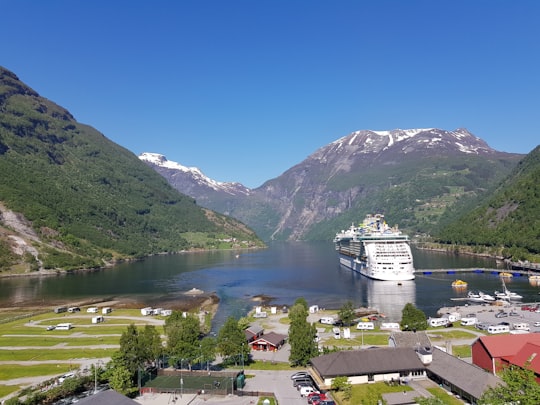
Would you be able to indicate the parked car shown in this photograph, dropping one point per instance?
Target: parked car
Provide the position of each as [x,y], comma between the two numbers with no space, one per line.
[514,314]
[51,327]
[305,390]
[302,381]
[537,324]
[501,314]
[299,374]
[314,398]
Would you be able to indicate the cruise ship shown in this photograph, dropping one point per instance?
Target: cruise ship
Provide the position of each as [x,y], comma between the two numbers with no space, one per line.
[376,250]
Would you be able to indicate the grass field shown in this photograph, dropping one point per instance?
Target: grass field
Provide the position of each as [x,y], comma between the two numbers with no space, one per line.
[22,331]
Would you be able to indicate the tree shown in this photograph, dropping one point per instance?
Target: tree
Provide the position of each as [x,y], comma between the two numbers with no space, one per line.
[183,333]
[520,387]
[231,341]
[132,353]
[208,350]
[413,318]
[342,384]
[301,336]
[346,313]
[120,381]
[150,341]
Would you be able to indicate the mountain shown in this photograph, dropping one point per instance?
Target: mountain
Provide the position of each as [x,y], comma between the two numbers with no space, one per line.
[70,198]
[509,219]
[413,176]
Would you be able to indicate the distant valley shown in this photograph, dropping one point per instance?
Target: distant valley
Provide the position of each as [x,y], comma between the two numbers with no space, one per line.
[419,178]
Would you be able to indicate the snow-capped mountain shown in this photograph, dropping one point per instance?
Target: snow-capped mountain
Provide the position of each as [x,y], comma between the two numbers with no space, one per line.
[190,180]
[410,175]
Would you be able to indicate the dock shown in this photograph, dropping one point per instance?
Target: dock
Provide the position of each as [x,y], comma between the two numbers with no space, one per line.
[514,272]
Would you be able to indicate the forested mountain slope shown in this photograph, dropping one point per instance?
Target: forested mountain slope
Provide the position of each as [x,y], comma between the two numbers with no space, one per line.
[509,220]
[71,198]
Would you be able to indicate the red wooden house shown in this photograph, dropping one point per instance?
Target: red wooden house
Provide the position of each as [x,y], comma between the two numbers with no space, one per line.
[493,353]
[270,342]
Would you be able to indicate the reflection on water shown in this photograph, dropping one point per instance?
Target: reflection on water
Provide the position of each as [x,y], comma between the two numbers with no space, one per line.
[389,297]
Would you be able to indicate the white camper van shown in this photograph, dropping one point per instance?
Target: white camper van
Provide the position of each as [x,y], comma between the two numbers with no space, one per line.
[468,321]
[493,329]
[436,322]
[365,326]
[521,326]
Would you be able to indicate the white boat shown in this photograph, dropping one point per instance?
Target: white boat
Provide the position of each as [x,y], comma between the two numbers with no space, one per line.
[506,294]
[480,297]
[376,250]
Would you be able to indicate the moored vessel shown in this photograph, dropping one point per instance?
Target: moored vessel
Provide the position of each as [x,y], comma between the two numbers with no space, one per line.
[376,250]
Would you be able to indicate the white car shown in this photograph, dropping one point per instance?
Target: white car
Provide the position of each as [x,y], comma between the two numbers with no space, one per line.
[537,324]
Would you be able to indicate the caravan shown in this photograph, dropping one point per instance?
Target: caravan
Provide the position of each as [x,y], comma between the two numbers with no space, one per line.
[365,326]
[494,329]
[468,321]
[521,326]
[436,322]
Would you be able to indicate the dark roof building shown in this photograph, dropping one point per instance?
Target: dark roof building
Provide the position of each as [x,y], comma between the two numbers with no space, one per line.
[416,340]
[108,397]
[370,365]
[465,379]
[269,342]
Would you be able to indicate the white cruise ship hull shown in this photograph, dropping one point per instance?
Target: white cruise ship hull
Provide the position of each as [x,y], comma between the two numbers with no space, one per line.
[389,273]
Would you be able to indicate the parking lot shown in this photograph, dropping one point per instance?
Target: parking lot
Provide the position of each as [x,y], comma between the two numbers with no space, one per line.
[510,314]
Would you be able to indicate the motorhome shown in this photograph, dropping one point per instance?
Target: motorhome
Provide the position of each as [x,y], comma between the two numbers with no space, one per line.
[390,326]
[64,326]
[494,329]
[106,310]
[147,311]
[98,319]
[521,326]
[365,326]
[436,322]
[327,320]
[337,333]
[469,321]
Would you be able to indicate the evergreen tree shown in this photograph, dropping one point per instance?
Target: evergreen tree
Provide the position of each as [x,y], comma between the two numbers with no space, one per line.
[413,318]
[301,336]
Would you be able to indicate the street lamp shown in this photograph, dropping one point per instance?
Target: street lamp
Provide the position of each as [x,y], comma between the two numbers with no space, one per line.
[95,375]
[181,379]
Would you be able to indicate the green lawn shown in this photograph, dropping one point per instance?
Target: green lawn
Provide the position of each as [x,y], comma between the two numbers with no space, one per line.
[8,372]
[64,354]
[8,389]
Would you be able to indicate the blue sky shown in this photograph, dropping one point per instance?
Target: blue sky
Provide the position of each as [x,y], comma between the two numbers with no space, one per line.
[244,90]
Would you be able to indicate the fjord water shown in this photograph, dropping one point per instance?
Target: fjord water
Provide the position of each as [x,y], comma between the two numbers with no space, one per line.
[284,272]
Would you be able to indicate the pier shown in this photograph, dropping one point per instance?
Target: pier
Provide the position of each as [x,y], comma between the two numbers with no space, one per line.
[515,272]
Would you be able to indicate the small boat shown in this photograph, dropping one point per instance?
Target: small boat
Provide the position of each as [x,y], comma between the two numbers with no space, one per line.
[534,280]
[459,284]
[505,274]
[506,294]
[480,297]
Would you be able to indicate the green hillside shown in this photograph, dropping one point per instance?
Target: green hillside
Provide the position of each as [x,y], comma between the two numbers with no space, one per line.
[508,222]
[87,199]
[418,194]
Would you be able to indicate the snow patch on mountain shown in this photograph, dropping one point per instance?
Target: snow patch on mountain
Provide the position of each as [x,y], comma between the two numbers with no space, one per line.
[198,176]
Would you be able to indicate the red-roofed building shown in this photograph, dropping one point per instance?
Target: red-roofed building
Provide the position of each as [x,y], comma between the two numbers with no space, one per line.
[493,353]
[270,342]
